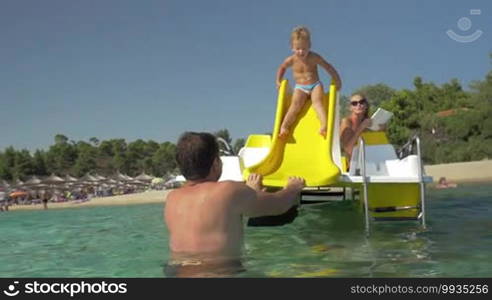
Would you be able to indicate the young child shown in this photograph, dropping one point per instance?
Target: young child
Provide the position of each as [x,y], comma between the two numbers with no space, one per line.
[304,68]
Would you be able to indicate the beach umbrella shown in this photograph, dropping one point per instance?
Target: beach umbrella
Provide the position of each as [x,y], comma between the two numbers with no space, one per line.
[5,184]
[34,180]
[39,186]
[136,181]
[89,178]
[120,177]
[99,177]
[18,183]
[128,177]
[111,181]
[53,179]
[18,194]
[144,177]
[71,179]
[66,186]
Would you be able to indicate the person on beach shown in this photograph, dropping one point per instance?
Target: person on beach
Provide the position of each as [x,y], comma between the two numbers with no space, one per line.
[204,218]
[2,198]
[304,63]
[45,202]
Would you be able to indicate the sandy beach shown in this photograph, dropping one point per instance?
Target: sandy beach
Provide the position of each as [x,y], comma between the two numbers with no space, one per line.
[129,199]
[474,171]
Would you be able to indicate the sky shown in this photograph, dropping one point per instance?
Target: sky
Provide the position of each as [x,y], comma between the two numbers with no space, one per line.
[152,69]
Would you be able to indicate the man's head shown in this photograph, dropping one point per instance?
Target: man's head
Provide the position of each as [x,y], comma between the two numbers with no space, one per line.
[197,155]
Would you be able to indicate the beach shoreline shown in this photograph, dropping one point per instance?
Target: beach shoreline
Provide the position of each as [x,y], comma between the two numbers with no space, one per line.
[128,199]
[463,172]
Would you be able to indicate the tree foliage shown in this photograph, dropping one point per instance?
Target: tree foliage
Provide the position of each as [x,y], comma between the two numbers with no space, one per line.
[78,158]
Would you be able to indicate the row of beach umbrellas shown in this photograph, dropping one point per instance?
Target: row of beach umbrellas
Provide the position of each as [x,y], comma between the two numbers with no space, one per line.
[55,182]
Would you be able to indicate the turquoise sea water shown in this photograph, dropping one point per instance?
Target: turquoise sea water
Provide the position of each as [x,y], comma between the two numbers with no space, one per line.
[329,240]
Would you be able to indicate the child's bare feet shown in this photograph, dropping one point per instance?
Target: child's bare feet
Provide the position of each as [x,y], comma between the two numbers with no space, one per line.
[254,182]
[322,131]
[284,133]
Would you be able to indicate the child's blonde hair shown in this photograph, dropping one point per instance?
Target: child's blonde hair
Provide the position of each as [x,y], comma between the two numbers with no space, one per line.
[300,33]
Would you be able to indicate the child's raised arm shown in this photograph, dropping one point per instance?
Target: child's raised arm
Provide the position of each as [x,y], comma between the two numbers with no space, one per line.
[281,70]
[331,70]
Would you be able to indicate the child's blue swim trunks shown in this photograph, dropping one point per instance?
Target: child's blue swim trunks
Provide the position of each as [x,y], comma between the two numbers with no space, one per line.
[307,88]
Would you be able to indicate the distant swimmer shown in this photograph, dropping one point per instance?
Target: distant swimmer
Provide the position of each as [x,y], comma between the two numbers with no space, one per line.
[204,218]
[444,184]
[304,63]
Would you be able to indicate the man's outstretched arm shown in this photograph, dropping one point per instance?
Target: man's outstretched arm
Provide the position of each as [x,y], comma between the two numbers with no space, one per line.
[251,201]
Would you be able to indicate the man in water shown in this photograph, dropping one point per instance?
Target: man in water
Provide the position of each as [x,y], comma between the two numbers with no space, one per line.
[204,217]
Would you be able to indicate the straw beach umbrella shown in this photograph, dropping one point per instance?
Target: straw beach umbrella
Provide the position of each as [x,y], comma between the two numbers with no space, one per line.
[100,178]
[111,181]
[18,183]
[33,181]
[4,184]
[120,177]
[70,179]
[53,179]
[89,179]
[40,186]
[144,177]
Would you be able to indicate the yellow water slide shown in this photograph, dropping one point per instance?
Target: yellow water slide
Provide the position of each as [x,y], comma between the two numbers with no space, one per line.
[305,153]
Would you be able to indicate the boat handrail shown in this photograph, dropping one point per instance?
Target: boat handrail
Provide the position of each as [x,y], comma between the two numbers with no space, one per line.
[228,149]
[407,148]
[362,160]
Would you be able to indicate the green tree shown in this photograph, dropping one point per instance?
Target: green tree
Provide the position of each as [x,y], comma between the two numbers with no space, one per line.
[8,164]
[118,152]
[94,141]
[377,93]
[60,139]
[61,156]
[39,163]
[86,159]
[163,160]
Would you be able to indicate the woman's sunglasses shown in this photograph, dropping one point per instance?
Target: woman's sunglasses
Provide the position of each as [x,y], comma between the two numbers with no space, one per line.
[361,102]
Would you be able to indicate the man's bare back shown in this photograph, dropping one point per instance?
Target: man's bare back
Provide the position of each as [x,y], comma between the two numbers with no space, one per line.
[204,217]
[202,220]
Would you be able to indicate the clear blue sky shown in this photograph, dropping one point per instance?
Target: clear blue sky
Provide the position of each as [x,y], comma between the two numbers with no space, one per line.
[153,69]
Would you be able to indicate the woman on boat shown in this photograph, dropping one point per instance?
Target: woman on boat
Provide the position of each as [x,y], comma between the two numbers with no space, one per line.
[353,125]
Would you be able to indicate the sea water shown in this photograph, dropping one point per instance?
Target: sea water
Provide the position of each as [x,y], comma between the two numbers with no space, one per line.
[324,241]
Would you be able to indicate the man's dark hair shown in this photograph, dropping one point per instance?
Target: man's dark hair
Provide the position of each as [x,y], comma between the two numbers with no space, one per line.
[195,154]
